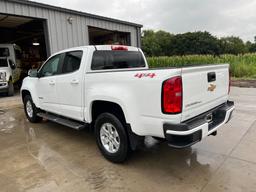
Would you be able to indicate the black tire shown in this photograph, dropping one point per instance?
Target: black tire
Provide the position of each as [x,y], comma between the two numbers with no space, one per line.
[123,151]
[33,118]
[10,89]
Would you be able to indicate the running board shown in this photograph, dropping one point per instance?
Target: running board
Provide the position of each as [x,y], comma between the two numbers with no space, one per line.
[62,120]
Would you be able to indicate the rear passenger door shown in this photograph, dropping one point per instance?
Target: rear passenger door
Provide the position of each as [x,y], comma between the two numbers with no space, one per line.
[70,85]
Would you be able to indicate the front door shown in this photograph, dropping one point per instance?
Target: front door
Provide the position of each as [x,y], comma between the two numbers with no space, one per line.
[46,86]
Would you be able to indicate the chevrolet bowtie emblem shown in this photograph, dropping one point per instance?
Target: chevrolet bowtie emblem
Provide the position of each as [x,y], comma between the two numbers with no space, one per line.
[212,87]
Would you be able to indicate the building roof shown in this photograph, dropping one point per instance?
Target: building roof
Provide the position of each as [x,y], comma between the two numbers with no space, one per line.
[65,10]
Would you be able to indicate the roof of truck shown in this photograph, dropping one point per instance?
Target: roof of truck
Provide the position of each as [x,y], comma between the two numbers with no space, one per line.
[101,47]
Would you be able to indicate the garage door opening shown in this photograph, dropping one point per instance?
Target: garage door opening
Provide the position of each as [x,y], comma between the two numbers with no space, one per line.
[27,36]
[98,36]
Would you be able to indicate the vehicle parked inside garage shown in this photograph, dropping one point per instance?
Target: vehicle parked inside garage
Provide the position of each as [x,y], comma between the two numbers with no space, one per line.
[9,73]
[111,89]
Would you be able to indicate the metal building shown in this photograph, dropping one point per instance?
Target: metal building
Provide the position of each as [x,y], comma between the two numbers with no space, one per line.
[28,24]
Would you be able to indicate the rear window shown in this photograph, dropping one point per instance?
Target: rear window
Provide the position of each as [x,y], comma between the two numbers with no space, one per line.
[117,60]
[4,52]
[3,63]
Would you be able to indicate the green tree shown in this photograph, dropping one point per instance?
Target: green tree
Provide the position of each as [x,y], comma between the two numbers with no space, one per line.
[149,43]
[164,40]
[251,47]
[162,43]
[156,43]
[233,45]
[195,43]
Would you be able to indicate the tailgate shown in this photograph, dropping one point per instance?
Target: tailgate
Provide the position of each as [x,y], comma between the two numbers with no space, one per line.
[204,87]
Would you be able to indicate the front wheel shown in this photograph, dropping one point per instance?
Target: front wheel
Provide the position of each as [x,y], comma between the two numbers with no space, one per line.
[111,138]
[31,110]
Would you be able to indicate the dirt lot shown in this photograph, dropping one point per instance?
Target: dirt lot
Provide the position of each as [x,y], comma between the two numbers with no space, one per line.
[48,157]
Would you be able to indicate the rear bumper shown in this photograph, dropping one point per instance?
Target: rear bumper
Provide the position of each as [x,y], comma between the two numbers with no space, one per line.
[192,131]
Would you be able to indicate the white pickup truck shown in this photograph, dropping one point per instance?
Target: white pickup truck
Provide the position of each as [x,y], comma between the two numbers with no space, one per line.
[9,72]
[111,89]
[7,76]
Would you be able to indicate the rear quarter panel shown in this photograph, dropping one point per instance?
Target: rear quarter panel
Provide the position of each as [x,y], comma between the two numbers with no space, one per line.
[138,94]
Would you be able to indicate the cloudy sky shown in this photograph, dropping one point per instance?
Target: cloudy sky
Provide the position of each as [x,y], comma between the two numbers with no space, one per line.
[220,17]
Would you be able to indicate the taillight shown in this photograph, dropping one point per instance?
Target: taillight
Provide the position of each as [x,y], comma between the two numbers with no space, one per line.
[119,48]
[172,95]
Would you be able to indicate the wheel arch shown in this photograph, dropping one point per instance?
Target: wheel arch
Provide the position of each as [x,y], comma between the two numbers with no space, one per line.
[102,106]
[24,93]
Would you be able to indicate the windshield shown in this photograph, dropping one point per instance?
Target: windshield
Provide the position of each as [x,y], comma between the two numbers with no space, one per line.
[3,63]
[4,52]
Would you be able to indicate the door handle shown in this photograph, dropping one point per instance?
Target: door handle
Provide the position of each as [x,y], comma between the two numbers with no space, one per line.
[52,83]
[74,81]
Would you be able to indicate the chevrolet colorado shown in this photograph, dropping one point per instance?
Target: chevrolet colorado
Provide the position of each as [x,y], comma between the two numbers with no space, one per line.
[111,89]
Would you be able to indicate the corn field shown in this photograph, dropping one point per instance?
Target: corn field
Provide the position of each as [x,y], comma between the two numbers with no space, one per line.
[241,66]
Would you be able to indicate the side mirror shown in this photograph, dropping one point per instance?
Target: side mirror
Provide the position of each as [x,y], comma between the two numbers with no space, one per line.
[33,73]
[12,64]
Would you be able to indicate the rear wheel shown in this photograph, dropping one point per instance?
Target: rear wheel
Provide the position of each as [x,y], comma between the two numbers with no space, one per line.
[112,138]
[31,110]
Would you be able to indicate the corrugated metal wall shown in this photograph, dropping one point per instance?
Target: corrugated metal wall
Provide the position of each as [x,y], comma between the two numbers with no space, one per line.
[62,34]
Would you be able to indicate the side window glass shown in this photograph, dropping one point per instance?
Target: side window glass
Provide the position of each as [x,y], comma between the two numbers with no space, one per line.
[51,67]
[98,60]
[72,61]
